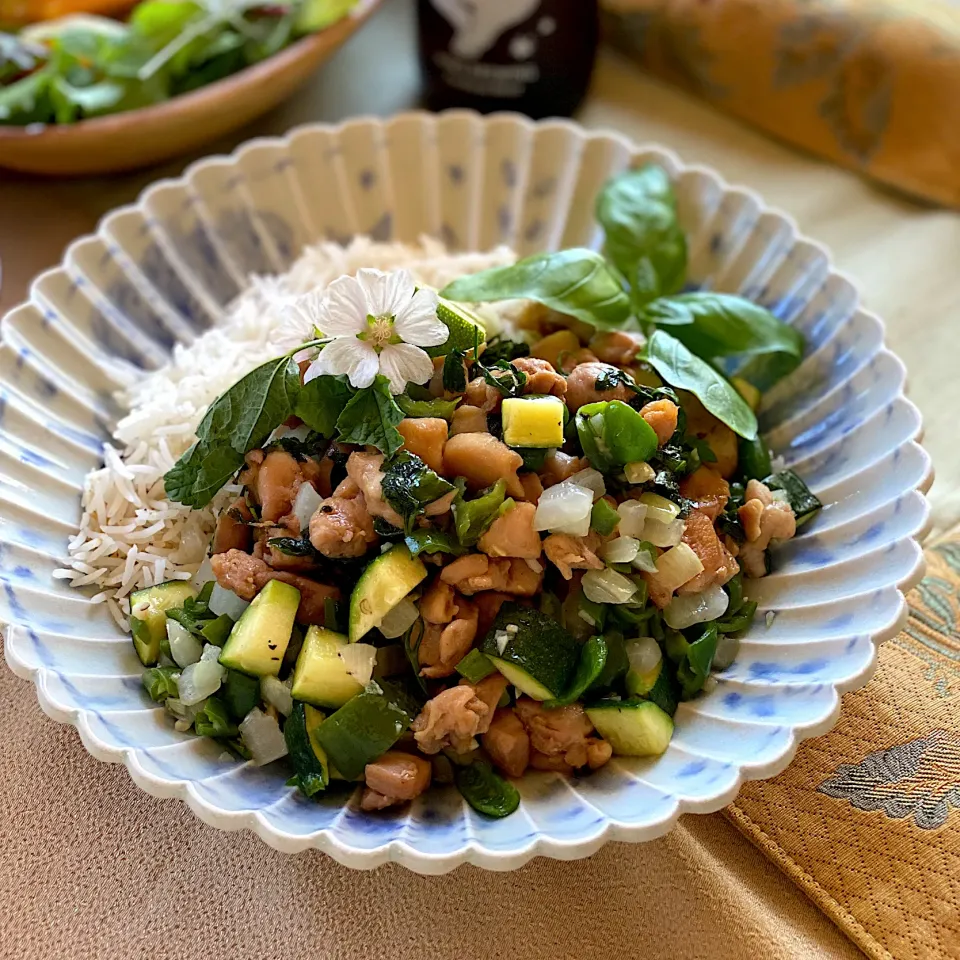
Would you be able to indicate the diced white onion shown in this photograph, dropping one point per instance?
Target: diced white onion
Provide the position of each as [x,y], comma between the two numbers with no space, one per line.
[660,508]
[675,567]
[305,505]
[607,586]
[586,618]
[262,736]
[663,534]
[770,616]
[684,611]
[728,647]
[226,601]
[645,560]
[644,654]
[203,575]
[359,659]
[780,496]
[277,694]
[535,565]
[592,480]
[502,638]
[211,652]
[621,550]
[400,619]
[185,648]
[633,515]
[200,680]
[639,472]
[579,528]
[564,508]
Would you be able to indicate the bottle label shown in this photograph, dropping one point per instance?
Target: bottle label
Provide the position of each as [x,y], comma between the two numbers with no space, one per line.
[480,59]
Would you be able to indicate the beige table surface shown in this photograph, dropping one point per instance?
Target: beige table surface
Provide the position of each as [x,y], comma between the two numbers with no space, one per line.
[90,867]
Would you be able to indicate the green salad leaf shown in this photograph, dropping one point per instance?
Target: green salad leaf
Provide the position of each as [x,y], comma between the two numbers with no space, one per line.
[28,100]
[18,57]
[638,212]
[686,371]
[371,417]
[576,282]
[168,47]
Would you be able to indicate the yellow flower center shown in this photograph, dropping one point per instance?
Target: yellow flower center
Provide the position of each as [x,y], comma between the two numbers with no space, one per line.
[381,331]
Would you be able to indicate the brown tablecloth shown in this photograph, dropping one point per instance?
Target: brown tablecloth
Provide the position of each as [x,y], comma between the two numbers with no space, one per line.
[92,868]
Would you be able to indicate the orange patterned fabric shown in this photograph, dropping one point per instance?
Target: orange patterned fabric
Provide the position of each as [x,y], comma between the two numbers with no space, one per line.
[867,819]
[870,84]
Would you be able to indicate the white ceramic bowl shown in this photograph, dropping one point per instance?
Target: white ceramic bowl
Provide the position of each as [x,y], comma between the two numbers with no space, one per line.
[164,268]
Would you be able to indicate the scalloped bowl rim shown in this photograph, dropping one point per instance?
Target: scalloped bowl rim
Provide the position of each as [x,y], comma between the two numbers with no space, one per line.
[475,852]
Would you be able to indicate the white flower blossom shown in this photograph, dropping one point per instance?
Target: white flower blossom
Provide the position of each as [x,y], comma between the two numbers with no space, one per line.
[376,323]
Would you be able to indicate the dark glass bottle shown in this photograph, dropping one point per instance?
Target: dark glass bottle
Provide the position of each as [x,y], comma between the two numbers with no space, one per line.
[535,56]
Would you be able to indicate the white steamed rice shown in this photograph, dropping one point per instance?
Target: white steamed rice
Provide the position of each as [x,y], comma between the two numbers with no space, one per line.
[130,535]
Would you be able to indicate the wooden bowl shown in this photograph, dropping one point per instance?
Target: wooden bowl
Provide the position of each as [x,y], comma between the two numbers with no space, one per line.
[138,138]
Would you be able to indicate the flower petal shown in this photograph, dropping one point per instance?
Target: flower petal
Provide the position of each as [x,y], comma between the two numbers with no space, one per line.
[386,293]
[403,363]
[346,355]
[417,321]
[343,310]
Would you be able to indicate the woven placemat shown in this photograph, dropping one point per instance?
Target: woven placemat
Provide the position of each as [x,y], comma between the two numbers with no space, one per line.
[867,818]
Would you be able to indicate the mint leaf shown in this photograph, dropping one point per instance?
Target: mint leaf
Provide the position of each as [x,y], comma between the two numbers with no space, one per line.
[686,371]
[244,416]
[638,212]
[371,417]
[577,282]
[321,401]
[197,476]
[239,420]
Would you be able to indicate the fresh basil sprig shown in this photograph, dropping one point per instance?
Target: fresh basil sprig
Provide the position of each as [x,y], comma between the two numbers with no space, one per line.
[239,420]
[686,371]
[723,325]
[577,282]
[644,241]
